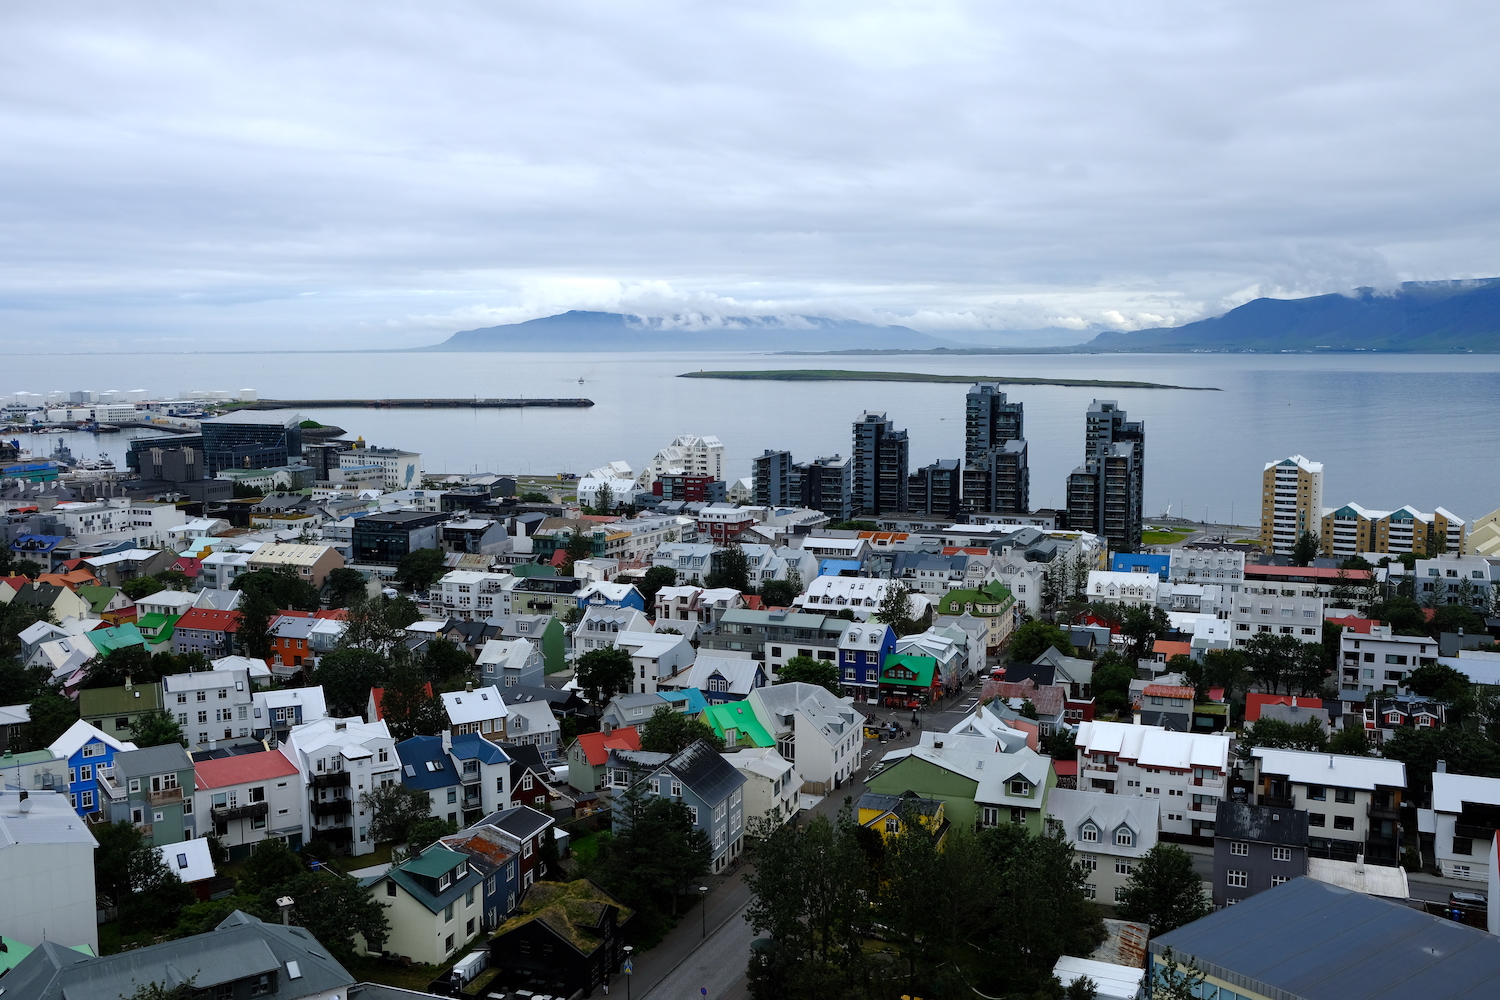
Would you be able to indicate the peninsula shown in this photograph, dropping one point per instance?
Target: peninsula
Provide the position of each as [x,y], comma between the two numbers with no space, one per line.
[841,375]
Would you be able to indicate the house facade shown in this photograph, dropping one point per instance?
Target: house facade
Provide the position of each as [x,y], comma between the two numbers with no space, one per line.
[434,903]
[248,798]
[1353,804]
[1188,772]
[704,781]
[152,789]
[1109,835]
[1256,848]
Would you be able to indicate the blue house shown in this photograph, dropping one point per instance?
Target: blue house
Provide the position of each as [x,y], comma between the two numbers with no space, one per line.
[86,750]
[1136,562]
[495,858]
[688,701]
[611,595]
[425,765]
[862,652]
[700,778]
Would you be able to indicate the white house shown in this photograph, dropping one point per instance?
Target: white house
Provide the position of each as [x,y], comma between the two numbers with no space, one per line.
[1352,802]
[46,871]
[772,787]
[1108,833]
[829,595]
[600,627]
[1461,823]
[210,704]
[470,596]
[339,760]
[691,561]
[820,734]
[720,677]
[532,723]
[507,662]
[1186,771]
[249,798]
[655,655]
[475,710]
[1123,588]
[691,609]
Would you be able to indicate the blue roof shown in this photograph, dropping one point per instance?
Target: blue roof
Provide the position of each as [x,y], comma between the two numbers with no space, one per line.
[689,701]
[37,543]
[424,765]
[833,567]
[471,745]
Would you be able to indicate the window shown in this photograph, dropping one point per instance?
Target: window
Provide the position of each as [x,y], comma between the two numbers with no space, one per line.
[1315,819]
[1463,845]
[1238,880]
[1343,822]
[1317,793]
[655,786]
[1122,867]
[1119,894]
[526,849]
[1020,786]
[448,943]
[677,791]
[1281,854]
[991,816]
[693,811]
[1278,880]
[385,755]
[1090,891]
[1239,848]
[1090,863]
[469,898]
[448,915]
[87,801]
[390,888]
[469,927]
[1344,795]
[260,985]
[1089,834]
[1124,838]
[452,795]
[135,784]
[224,991]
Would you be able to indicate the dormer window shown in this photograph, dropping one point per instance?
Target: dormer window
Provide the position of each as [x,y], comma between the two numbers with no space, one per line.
[444,881]
[1089,834]
[1124,838]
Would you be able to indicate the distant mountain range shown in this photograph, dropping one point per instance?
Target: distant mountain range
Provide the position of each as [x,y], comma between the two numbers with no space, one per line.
[1425,317]
[601,331]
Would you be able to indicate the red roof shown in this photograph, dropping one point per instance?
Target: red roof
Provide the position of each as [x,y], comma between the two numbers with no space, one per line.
[1169,648]
[1169,691]
[752,602]
[246,767]
[210,620]
[596,746]
[333,614]
[1255,702]
[559,557]
[1309,573]
[1065,768]
[969,550]
[16,582]
[1361,625]
[188,565]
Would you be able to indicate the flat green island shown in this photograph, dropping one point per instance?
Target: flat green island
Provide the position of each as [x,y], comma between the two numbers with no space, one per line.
[840,375]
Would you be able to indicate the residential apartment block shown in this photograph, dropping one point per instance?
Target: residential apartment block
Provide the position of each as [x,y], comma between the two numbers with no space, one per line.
[1352,803]
[1291,502]
[1187,772]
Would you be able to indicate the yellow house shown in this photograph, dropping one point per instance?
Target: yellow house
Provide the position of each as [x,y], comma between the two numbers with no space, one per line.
[887,814]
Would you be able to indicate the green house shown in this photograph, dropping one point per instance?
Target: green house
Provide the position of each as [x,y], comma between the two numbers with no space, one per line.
[980,786]
[114,710]
[736,724]
[908,678]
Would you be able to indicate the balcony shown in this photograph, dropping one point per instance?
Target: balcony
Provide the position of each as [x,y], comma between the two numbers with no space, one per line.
[255,810]
[331,779]
[1091,766]
[329,810]
[1279,801]
[165,797]
[1374,811]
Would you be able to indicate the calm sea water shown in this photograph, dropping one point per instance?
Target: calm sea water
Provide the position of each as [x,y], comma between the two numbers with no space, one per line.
[1390,430]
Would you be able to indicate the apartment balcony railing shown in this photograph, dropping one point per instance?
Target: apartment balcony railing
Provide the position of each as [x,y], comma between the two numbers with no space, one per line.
[165,797]
[254,810]
[338,807]
[1279,801]
[331,779]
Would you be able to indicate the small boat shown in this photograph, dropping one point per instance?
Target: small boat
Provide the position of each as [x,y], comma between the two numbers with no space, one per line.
[580,380]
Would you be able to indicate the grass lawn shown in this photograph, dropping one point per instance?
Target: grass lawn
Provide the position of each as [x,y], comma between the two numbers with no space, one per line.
[585,847]
[380,856]
[1163,537]
[1247,541]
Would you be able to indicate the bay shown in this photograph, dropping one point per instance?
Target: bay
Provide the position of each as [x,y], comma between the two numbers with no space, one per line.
[1390,429]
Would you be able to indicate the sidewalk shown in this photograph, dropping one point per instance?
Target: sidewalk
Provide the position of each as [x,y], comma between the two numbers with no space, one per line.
[726,901]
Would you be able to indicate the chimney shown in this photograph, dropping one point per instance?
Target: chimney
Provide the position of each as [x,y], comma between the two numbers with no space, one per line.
[447,741]
[1442,767]
[469,686]
[606,727]
[25,803]
[285,902]
[128,685]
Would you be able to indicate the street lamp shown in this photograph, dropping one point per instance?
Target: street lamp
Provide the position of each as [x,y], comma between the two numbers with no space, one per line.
[629,970]
[703,906]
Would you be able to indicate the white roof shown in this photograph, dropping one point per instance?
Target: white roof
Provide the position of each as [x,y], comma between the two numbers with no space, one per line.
[49,820]
[739,671]
[1451,791]
[506,652]
[474,706]
[191,860]
[1112,982]
[1305,464]
[37,631]
[15,715]
[312,737]
[609,591]
[1072,807]
[202,680]
[984,723]
[255,668]
[1373,880]
[311,699]
[764,761]
[1154,746]
[1311,768]
[538,716]
[127,555]
[80,734]
[426,627]
[652,644]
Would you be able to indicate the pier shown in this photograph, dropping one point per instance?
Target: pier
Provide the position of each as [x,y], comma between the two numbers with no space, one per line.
[475,402]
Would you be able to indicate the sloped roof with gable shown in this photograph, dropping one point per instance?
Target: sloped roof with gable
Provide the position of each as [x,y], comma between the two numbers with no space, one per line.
[1153,746]
[573,911]
[472,746]
[478,705]
[424,764]
[596,746]
[738,715]
[739,671]
[79,735]
[700,767]
[241,769]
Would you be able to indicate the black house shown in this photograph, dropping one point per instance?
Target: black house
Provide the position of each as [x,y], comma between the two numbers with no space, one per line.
[1256,848]
[565,937]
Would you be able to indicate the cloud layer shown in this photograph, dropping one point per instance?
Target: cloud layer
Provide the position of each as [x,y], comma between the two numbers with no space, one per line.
[348,174]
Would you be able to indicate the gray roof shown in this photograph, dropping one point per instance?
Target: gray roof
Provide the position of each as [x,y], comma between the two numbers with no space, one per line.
[705,771]
[1320,942]
[240,947]
[520,822]
[152,760]
[1262,824]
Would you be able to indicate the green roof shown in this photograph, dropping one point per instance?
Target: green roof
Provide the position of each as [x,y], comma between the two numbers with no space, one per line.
[98,597]
[994,592]
[107,640]
[156,621]
[923,666]
[738,715]
[27,757]
[434,862]
[118,701]
[573,911]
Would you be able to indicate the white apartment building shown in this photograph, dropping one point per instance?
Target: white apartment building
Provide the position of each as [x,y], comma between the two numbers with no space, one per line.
[828,595]
[166,602]
[655,656]
[772,787]
[339,760]
[1207,563]
[249,798]
[1108,833]
[692,562]
[1299,616]
[1123,588]
[473,596]
[1462,821]
[1379,661]
[219,570]
[46,871]
[1455,578]
[817,733]
[690,609]
[210,705]
[696,456]
[1291,502]
[1185,771]
[400,470]
[635,541]
[601,625]
[1352,803]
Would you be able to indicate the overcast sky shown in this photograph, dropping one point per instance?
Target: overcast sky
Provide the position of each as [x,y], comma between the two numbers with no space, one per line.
[202,176]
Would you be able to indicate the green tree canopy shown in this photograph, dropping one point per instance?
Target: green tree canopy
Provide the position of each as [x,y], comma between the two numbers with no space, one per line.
[156,728]
[824,673]
[1306,549]
[778,593]
[15,618]
[652,854]
[282,586]
[656,578]
[270,864]
[379,622]
[419,569]
[1111,682]
[334,908]
[670,731]
[117,842]
[1456,618]
[731,569]
[1351,742]
[51,715]
[394,809]
[347,676]
[408,704]
[1438,680]
[1467,751]
[1282,735]
[1164,891]
[345,586]
[156,892]
[1399,613]
[603,673]
[1036,637]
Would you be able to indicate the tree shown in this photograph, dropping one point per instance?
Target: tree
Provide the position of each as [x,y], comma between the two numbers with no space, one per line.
[731,569]
[777,594]
[603,673]
[379,622]
[824,673]
[407,704]
[345,586]
[1456,618]
[1306,549]
[1164,890]
[51,716]
[1175,979]
[580,546]
[112,670]
[656,578]
[1467,751]
[426,832]
[185,990]
[1035,638]
[1438,680]
[670,731]
[156,892]
[1282,735]
[347,676]
[1141,625]
[1272,659]
[270,864]
[253,634]
[1111,682]
[653,853]
[1399,613]
[156,728]
[1229,669]
[895,608]
[1351,742]
[444,661]
[394,809]
[283,587]
[14,619]
[334,908]
[117,842]
[604,499]
[141,586]
[419,569]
